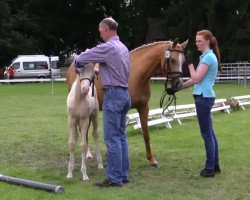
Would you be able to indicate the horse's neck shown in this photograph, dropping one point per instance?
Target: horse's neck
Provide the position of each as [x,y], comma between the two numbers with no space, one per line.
[149,60]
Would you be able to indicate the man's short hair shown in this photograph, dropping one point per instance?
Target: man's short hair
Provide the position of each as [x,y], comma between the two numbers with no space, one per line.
[110,22]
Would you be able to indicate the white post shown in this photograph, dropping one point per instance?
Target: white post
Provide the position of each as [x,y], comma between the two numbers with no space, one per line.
[52,85]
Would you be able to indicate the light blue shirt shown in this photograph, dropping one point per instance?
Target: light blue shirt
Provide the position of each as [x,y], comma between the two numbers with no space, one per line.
[114,59]
[205,87]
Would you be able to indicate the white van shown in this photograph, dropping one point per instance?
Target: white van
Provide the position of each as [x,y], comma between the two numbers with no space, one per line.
[36,66]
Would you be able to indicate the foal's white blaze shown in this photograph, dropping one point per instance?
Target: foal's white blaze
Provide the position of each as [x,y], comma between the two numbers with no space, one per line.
[85,86]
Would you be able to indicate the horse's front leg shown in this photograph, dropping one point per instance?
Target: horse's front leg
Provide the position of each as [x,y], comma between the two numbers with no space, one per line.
[72,144]
[84,123]
[143,112]
[96,136]
[88,154]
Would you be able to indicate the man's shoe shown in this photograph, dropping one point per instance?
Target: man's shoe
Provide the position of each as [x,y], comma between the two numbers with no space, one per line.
[207,173]
[107,183]
[125,181]
[217,169]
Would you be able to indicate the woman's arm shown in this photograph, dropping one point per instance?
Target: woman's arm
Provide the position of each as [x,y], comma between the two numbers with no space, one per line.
[187,84]
[196,76]
[200,72]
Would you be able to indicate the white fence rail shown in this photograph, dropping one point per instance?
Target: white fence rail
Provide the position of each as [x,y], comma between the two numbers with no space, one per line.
[231,72]
[30,80]
[235,72]
[34,80]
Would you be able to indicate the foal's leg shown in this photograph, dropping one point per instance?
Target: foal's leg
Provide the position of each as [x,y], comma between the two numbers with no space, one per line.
[95,136]
[72,123]
[88,155]
[84,123]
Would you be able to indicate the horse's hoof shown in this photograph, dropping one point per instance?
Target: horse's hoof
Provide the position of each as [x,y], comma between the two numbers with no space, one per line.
[155,165]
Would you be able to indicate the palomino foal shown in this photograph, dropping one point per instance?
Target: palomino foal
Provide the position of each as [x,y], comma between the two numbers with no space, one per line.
[83,108]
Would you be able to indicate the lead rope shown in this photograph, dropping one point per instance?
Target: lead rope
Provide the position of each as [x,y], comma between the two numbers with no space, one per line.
[93,87]
[172,98]
[165,104]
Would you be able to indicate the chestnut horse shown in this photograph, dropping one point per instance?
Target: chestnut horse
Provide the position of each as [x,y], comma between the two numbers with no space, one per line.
[164,56]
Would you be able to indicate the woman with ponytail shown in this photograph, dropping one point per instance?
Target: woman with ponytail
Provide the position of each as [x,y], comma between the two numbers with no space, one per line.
[203,79]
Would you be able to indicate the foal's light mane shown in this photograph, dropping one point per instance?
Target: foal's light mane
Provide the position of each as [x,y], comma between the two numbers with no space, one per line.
[150,45]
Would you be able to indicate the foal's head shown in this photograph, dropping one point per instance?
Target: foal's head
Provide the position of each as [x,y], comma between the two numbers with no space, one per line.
[174,59]
[86,76]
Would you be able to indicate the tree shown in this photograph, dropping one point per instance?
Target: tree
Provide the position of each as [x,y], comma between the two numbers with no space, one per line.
[60,27]
[228,20]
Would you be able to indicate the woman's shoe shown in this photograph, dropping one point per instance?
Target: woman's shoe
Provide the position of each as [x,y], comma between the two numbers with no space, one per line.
[207,173]
[217,169]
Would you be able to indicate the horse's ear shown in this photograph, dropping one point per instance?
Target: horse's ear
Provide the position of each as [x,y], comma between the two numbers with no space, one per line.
[175,42]
[184,44]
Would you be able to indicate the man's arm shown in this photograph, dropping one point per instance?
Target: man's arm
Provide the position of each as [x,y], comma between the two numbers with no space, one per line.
[97,54]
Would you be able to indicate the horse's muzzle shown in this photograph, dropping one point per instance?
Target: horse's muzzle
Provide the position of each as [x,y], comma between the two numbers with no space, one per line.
[176,83]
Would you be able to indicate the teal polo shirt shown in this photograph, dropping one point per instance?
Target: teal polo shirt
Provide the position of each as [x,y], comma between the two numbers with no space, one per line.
[205,87]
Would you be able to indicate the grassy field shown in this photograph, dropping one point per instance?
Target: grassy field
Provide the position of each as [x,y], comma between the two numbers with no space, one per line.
[34,137]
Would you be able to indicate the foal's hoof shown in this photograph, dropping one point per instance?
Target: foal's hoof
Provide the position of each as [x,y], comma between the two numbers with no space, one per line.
[88,156]
[100,167]
[155,165]
[69,176]
[85,178]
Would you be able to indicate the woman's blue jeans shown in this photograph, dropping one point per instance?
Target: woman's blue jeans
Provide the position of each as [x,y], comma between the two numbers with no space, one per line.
[203,108]
[116,104]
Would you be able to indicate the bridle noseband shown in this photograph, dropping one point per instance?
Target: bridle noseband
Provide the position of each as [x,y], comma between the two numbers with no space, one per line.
[169,79]
[91,80]
[169,72]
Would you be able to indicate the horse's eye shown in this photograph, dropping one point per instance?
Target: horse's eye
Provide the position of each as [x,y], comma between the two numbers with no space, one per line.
[173,61]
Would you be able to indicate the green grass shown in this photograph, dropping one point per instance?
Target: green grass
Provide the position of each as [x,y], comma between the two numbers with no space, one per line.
[34,137]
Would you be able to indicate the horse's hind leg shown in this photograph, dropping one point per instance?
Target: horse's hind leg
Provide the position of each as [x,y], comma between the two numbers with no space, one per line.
[72,144]
[96,136]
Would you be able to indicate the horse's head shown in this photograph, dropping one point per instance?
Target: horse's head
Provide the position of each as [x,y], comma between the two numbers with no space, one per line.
[174,59]
[86,76]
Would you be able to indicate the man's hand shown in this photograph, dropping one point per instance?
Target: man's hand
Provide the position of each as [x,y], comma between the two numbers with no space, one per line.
[96,69]
[189,57]
[79,67]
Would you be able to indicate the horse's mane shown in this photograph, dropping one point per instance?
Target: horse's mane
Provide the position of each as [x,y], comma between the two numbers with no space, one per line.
[149,45]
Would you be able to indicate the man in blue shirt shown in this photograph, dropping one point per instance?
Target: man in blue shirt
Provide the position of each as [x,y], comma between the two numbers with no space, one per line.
[114,59]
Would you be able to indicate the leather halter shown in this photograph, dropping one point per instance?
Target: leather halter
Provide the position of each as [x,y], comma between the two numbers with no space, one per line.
[169,79]
[91,80]
[168,68]
[169,72]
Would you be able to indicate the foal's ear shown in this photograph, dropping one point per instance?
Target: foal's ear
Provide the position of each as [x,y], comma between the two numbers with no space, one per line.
[175,42]
[184,44]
